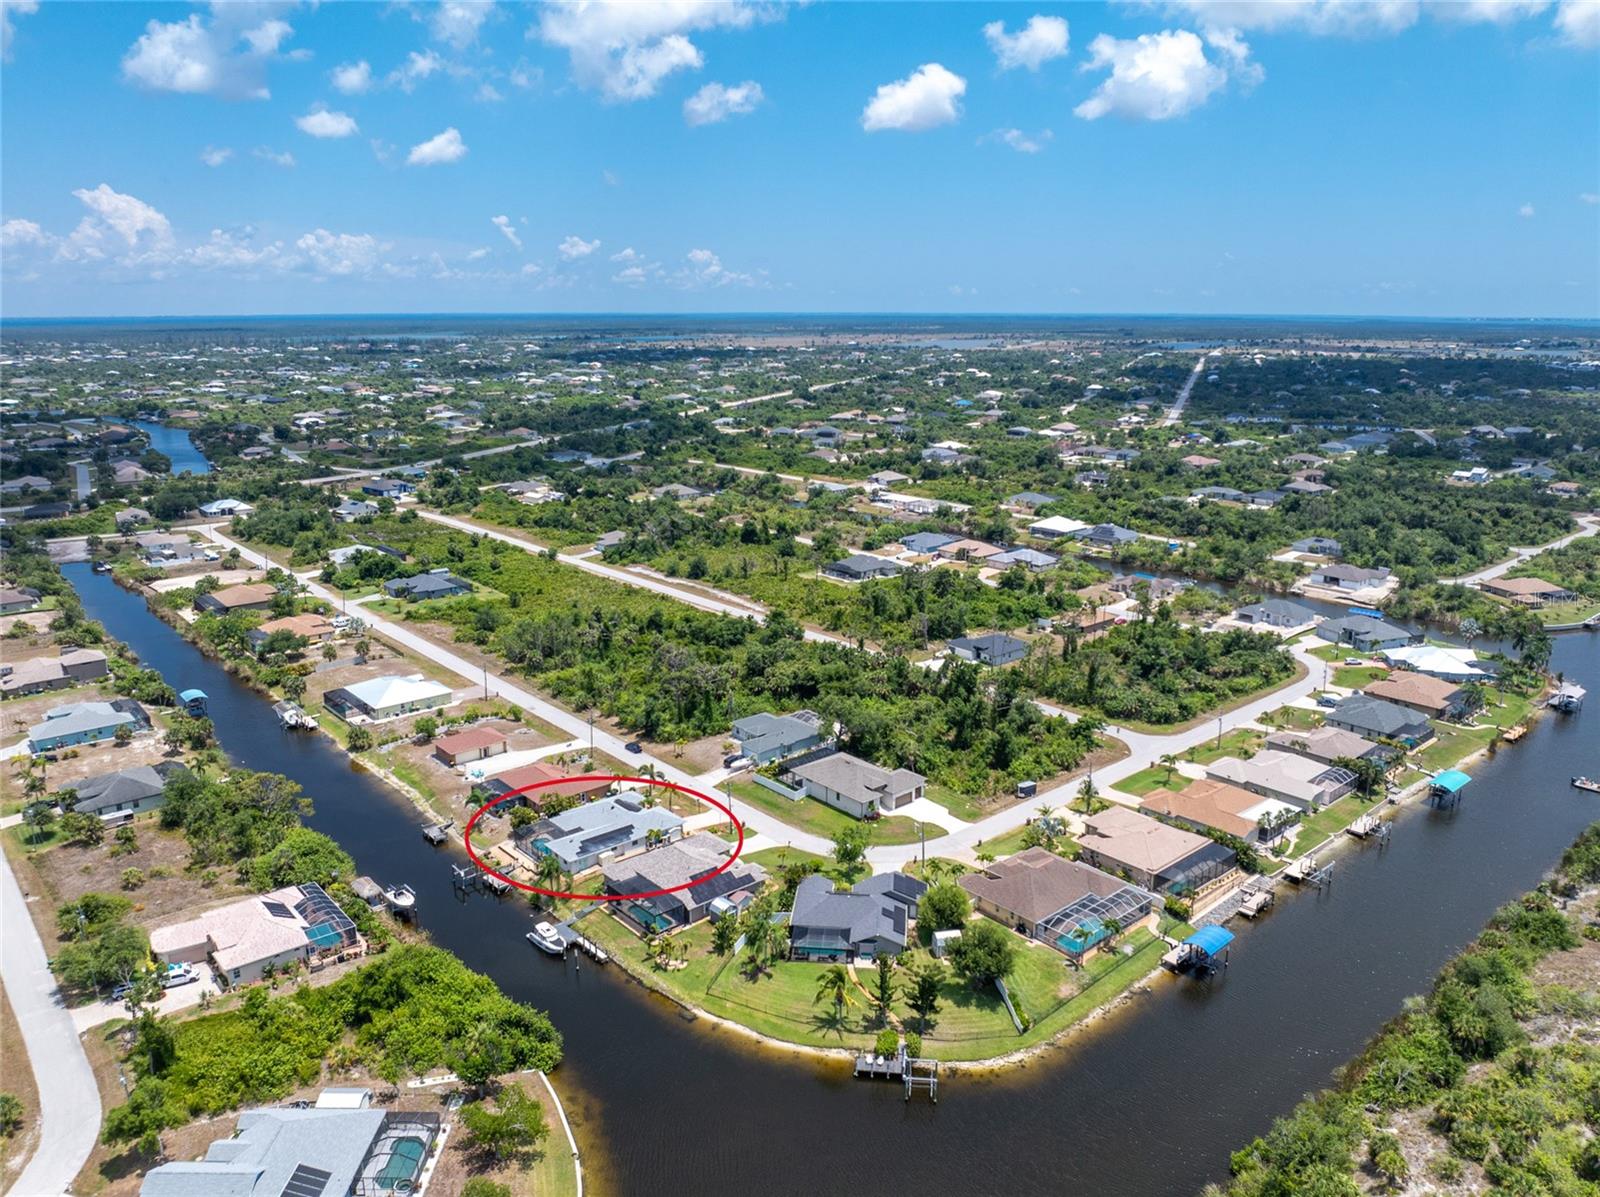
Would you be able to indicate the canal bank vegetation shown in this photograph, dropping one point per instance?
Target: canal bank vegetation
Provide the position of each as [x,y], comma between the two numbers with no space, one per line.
[1486,1084]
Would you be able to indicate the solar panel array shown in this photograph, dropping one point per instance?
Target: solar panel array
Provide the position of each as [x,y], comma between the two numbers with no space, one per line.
[278,910]
[306,1181]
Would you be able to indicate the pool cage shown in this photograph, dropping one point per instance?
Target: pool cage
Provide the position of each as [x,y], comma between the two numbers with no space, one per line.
[1075,929]
[394,1165]
[327,926]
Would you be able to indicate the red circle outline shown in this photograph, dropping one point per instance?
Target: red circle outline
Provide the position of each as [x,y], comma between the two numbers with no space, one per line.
[466,838]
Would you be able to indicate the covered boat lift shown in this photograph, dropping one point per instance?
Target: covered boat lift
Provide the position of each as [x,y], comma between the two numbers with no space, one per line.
[1445,788]
[1202,953]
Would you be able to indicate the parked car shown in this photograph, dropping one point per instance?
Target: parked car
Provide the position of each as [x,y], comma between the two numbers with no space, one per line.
[179,974]
[634,746]
[1354,661]
[736,760]
[121,991]
[1327,700]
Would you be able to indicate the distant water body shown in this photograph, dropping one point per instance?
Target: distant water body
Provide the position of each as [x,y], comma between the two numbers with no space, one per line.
[178,446]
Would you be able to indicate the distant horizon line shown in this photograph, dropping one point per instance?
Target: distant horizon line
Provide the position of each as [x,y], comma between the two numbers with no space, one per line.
[842,314]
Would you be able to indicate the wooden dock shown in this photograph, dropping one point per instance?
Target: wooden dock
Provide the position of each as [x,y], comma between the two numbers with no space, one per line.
[1256,902]
[587,946]
[915,1072]
[1369,826]
[437,833]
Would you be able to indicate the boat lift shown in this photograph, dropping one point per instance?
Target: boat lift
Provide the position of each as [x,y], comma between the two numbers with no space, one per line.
[194,701]
[1445,788]
[1202,954]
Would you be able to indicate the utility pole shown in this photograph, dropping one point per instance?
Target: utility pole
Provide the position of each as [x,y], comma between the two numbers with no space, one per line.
[1219,731]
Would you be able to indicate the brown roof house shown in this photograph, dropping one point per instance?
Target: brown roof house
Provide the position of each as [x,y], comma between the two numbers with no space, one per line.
[472,744]
[1221,806]
[252,596]
[1059,902]
[1153,855]
[1426,695]
[1529,592]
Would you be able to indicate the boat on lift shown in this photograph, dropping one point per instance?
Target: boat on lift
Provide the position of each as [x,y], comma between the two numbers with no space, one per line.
[402,899]
[548,938]
[1584,783]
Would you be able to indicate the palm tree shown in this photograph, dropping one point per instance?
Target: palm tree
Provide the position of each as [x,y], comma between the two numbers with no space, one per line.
[549,872]
[835,985]
[1168,762]
[1088,795]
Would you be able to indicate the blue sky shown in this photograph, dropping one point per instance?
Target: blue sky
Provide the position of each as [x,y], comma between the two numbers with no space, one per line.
[1243,156]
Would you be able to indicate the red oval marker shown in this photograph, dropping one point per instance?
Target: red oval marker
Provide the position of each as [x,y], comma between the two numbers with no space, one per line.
[466,838]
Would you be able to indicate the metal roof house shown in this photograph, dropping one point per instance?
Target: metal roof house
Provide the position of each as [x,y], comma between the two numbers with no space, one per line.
[1366,633]
[1276,613]
[84,723]
[766,737]
[1106,535]
[434,584]
[607,829]
[387,697]
[861,566]
[862,923]
[994,649]
[927,542]
[323,1152]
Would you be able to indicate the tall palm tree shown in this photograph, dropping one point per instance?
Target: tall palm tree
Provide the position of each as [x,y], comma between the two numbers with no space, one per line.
[1168,762]
[549,872]
[835,985]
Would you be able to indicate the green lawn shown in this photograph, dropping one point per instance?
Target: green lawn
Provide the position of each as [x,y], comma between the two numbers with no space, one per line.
[1302,718]
[1354,677]
[1330,820]
[810,815]
[1564,613]
[1451,745]
[1156,777]
[962,806]
[1241,741]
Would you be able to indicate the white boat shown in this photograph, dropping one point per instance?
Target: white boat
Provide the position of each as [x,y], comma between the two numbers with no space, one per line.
[402,899]
[548,939]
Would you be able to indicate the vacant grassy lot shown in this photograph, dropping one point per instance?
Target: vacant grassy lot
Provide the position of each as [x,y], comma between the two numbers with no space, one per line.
[1330,820]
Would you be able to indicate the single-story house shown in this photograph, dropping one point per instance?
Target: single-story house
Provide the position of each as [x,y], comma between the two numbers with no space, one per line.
[1220,805]
[1218,494]
[226,507]
[344,554]
[537,773]
[1056,526]
[1328,744]
[1349,577]
[1304,486]
[251,596]
[1030,500]
[927,542]
[132,517]
[1529,592]
[46,511]
[607,829]
[1153,855]
[1062,903]
[861,923]
[285,1152]
[1199,461]
[1304,783]
[84,723]
[860,567]
[1426,695]
[1106,535]
[470,744]
[691,862]
[994,649]
[38,674]
[125,791]
[18,598]
[308,626]
[436,583]
[857,787]
[1451,664]
[27,482]
[1377,719]
[1322,546]
[766,737]
[1030,558]
[244,938]
[354,509]
[387,697]
[888,478]
[1275,613]
[1365,633]
[387,488]
[967,549]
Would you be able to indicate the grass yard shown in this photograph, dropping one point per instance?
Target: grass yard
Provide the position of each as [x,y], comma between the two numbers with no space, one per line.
[1451,745]
[1241,741]
[1011,842]
[810,815]
[1298,718]
[1156,777]
[1354,677]
[1328,821]
[963,806]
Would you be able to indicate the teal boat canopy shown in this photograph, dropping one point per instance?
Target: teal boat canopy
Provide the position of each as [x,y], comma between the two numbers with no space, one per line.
[1451,781]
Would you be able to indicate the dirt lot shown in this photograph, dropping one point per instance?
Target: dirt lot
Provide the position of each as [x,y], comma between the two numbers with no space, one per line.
[17,715]
[697,756]
[227,577]
[16,1078]
[39,621]
[419,766]
[61,874]
[382,661]
[87,761]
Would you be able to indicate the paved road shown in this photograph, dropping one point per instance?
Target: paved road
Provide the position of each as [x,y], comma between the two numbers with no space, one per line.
[352,475]
[1175,412]
[69,1099]
[1590,526]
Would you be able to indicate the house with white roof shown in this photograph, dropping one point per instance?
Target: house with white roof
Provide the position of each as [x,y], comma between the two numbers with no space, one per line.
[387,697]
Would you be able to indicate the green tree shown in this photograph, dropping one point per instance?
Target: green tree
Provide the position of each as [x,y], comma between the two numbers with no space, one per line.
[513,1128]
[883,985]
[922,991]
[359,739]
[482,1186]
[426,728]
[88,831]
[835,987]
[850,845]
[10,1113]
[39,819]
[944,907]
[984,953]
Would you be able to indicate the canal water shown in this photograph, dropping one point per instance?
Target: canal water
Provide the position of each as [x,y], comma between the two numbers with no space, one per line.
[177,444]
[1148,1103]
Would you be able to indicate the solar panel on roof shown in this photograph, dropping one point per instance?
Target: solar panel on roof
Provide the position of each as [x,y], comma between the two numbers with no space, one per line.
[306,1182]
[278,910]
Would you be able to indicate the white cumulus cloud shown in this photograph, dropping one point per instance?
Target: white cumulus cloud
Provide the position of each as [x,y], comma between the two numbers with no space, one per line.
[1578,23]
[215,155]
[1023,143]
[439,149]
[503,223]
[930,96]
[419,65]
[341,253]
[324,122]
[135,221]
[1525,211]
[716,102]
[352,78]
[625,48]
[575,247]
[1157,76]
[268,154]
[1035,44]
[457,22]
[8,10]
[223,54]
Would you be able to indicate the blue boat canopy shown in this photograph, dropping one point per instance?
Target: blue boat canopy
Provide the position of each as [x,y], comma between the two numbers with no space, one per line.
[1450,781]
[192,695]
[1210,940]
